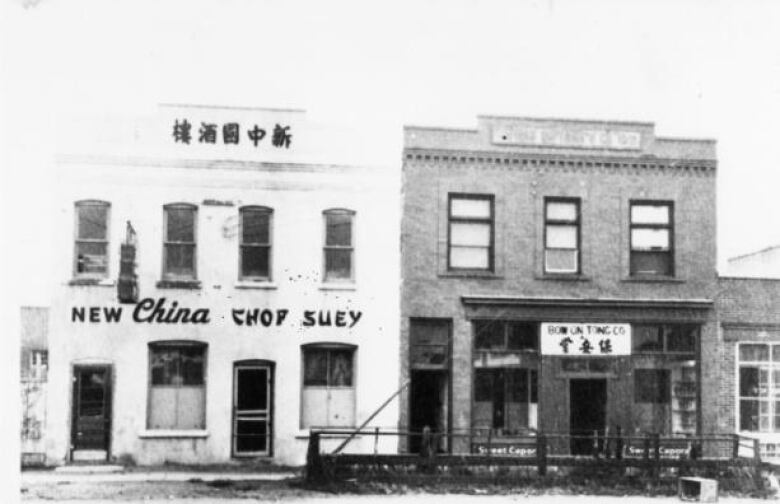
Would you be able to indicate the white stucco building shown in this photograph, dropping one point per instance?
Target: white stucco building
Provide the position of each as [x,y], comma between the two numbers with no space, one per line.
[267,288]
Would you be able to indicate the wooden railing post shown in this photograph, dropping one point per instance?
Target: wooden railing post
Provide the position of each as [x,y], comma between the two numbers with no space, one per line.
[735,446]
[376,440]
[756,451]
[595,444]
[314,469]
[541,454]
[619,443]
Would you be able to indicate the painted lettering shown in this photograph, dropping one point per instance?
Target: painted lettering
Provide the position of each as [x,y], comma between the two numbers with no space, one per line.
[355,316]
[112,313]
[77,313]
[308,318]
[340,316]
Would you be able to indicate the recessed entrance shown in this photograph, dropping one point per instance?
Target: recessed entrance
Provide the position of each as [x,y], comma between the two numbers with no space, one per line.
[91,413]
[428,405]
[252,407]
[588,412]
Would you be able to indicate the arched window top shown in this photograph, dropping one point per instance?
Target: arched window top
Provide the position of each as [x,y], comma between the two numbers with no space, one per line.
[328,345]
[177,343]
[338,211]
[92,202]
[181,204]
[256,208]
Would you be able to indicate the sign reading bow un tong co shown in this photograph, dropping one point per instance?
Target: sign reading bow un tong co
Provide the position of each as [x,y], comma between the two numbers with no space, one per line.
[585,339]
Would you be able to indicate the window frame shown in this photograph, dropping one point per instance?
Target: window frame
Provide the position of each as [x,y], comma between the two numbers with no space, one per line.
[350,248]
[490,221]
[78,240]
[328,347]
[577,223]
[269,212]
[669,226]
[167,276]
[178,345]
[773,387]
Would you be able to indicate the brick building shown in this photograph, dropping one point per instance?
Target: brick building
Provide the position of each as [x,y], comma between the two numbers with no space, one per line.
[749,356]
[559,276]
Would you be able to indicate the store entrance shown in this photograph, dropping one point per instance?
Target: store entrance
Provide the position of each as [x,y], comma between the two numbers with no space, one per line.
[428,404]
[588,412]
[252,408]
[91,413]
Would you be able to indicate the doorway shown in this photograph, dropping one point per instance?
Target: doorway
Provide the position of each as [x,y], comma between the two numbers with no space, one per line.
[587,413]
[252,408]
[429,406]
[91,413]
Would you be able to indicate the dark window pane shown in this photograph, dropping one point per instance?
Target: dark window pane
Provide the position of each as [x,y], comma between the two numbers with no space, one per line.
[522,336]
[340,368]
[252,393]
[338,264]
[749,382]
[489,335]
[93,221]
[534,386]
[180,259]
[748,415]
[338,229]
[429,332]
[251,435]
[651,386]
[165,363]
[315,363]
[180,224]
[517,385]
[647,339]
[682,339]
[254,261]
[91,257]
[651,263]
[483,385]
[192,366]
[756,352]
[255,226]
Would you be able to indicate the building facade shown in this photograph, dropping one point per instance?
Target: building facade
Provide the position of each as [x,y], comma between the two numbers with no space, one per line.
[221,291]
[763,263]
[558,276]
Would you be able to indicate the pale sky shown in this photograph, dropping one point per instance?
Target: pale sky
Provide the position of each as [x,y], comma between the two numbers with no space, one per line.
[695,68]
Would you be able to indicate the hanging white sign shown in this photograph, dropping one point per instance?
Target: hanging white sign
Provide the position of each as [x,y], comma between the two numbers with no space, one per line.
[585,339]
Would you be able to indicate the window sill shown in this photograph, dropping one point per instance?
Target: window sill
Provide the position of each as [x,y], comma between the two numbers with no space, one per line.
[346,286]
[563,277]
[249,284]
[652,279]
[179,284]
[325,435]
[96,282]
[489,275]
[172,433]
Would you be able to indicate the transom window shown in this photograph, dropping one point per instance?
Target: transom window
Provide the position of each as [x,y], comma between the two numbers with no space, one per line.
[470,245]
[339,245]
[651,239]
[759,387]
[255,243]
[179,241]
[91,255]
[505,335]
[561,235]
[664,338]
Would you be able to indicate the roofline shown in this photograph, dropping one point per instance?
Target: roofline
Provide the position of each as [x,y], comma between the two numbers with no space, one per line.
[771,247]
[686,139]
[439,128]
[230,107]
[761,279]
[490,299]
[561,119]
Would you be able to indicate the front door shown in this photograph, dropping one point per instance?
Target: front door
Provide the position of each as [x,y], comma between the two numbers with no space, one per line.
[588,412]
[428,404]
[252,418]
[91,416]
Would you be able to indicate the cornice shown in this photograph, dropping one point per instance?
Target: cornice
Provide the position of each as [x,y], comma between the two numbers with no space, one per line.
[494,300]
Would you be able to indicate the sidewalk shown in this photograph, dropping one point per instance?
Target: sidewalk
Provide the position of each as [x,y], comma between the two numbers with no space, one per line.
[119,474]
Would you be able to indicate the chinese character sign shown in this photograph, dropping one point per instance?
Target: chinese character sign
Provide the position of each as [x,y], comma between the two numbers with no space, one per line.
[590,340]
[280,137]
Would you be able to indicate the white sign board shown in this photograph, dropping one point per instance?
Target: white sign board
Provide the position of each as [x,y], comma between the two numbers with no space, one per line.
[568,137]
[585,339]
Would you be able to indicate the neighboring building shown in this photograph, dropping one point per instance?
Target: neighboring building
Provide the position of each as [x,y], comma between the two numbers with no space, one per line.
[34,377]
[260,288]
[761,264]
[749,315]
[559,276]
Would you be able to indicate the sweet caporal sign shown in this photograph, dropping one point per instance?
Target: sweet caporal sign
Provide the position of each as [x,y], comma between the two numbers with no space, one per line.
[586,339]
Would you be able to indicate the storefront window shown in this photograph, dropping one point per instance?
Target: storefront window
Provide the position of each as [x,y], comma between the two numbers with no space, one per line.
[505,378]
[759,387]
[665,377]
[328,398]
[177,389]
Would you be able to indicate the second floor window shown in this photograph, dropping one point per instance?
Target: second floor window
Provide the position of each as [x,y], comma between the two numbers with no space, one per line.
[651,239]
[470,245]
[339,245]
[179,242]
[561,235]
[255,243]
[91,239]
